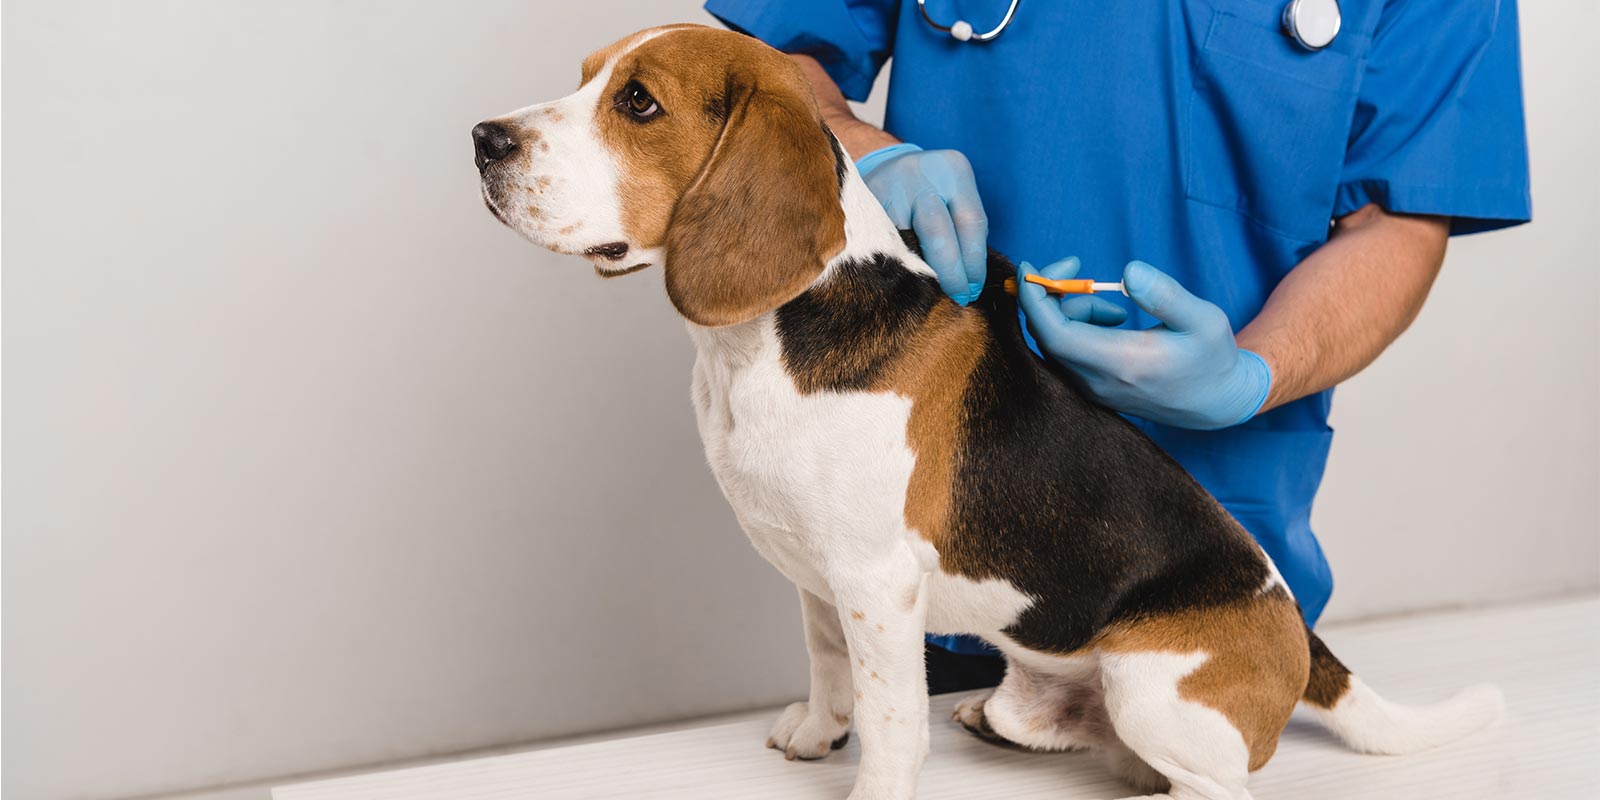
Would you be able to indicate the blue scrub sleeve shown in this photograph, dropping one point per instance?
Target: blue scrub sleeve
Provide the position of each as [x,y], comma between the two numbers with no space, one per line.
[850,38]
[1438,126]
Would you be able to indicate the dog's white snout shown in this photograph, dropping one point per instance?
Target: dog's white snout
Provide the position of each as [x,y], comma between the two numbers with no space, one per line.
[549,175]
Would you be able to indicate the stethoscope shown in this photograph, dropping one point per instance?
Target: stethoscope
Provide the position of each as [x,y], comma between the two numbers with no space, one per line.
[1311,23]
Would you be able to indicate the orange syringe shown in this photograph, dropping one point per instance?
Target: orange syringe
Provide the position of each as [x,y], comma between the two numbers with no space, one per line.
[1067,286]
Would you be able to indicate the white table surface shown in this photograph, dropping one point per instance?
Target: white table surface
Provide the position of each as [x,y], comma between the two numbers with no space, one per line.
[1545,657]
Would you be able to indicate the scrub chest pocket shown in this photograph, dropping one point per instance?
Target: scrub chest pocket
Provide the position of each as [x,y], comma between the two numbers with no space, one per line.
[1267,124]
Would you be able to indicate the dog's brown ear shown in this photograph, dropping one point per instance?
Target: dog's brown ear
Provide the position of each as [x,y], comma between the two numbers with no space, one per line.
[763,217]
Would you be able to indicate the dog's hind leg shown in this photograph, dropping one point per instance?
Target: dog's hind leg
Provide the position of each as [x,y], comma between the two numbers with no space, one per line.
[1195,747]
[814,728]
[1059,708]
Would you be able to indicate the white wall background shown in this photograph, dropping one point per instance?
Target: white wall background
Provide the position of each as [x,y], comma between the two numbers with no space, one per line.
[312,464]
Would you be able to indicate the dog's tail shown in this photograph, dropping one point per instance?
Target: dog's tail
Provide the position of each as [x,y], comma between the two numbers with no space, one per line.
[1370,724]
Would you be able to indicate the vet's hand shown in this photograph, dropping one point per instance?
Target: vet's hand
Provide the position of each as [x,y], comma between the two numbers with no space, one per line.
[1186,372]
[932,192]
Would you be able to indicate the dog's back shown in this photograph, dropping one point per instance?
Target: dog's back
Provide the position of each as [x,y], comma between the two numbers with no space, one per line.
[1065,499]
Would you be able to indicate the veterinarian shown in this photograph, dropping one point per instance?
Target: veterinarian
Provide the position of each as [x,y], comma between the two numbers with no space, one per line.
[1293,200]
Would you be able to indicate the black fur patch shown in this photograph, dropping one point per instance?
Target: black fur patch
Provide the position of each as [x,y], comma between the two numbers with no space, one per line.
[871,312]
[839,158]
[1329,678]
[1063,498]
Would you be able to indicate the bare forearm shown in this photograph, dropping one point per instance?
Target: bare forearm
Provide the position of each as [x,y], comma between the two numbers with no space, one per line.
[1342,306]
[858,137]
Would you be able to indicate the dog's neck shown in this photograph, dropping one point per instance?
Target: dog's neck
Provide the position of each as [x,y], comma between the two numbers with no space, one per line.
[868,232]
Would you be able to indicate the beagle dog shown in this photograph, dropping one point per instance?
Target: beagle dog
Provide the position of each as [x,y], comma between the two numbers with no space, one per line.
[907,462]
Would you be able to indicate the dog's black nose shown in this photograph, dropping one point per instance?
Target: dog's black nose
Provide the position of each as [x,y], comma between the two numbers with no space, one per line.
[491,142]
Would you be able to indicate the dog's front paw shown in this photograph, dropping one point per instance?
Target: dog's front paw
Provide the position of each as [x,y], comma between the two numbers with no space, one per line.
[801,734]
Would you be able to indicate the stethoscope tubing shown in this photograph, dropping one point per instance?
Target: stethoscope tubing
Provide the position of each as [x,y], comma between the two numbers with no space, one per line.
[961,30]
[989,36]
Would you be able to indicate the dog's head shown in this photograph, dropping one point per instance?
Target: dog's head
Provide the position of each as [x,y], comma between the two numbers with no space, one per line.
[695,148]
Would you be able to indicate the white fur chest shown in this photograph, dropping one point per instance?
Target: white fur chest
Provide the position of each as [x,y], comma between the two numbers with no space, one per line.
[817,480]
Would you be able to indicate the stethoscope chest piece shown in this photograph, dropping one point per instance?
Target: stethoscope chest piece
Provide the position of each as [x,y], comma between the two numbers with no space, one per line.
[961,30]
[1313,24]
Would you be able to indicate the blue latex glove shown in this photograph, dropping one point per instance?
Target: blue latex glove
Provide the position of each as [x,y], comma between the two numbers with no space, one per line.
[932,192]
[1186,372]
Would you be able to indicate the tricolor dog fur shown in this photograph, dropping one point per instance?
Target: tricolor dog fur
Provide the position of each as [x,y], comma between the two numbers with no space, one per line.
[907,462]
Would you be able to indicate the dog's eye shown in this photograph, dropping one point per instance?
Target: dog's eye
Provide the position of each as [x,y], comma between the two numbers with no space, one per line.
[638,102]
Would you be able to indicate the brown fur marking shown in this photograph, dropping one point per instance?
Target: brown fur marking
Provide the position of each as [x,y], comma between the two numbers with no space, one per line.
[954,340]
[1257,662]
[594,62]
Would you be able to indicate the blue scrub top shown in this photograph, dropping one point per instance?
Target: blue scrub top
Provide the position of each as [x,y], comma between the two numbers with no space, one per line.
[1196,136]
